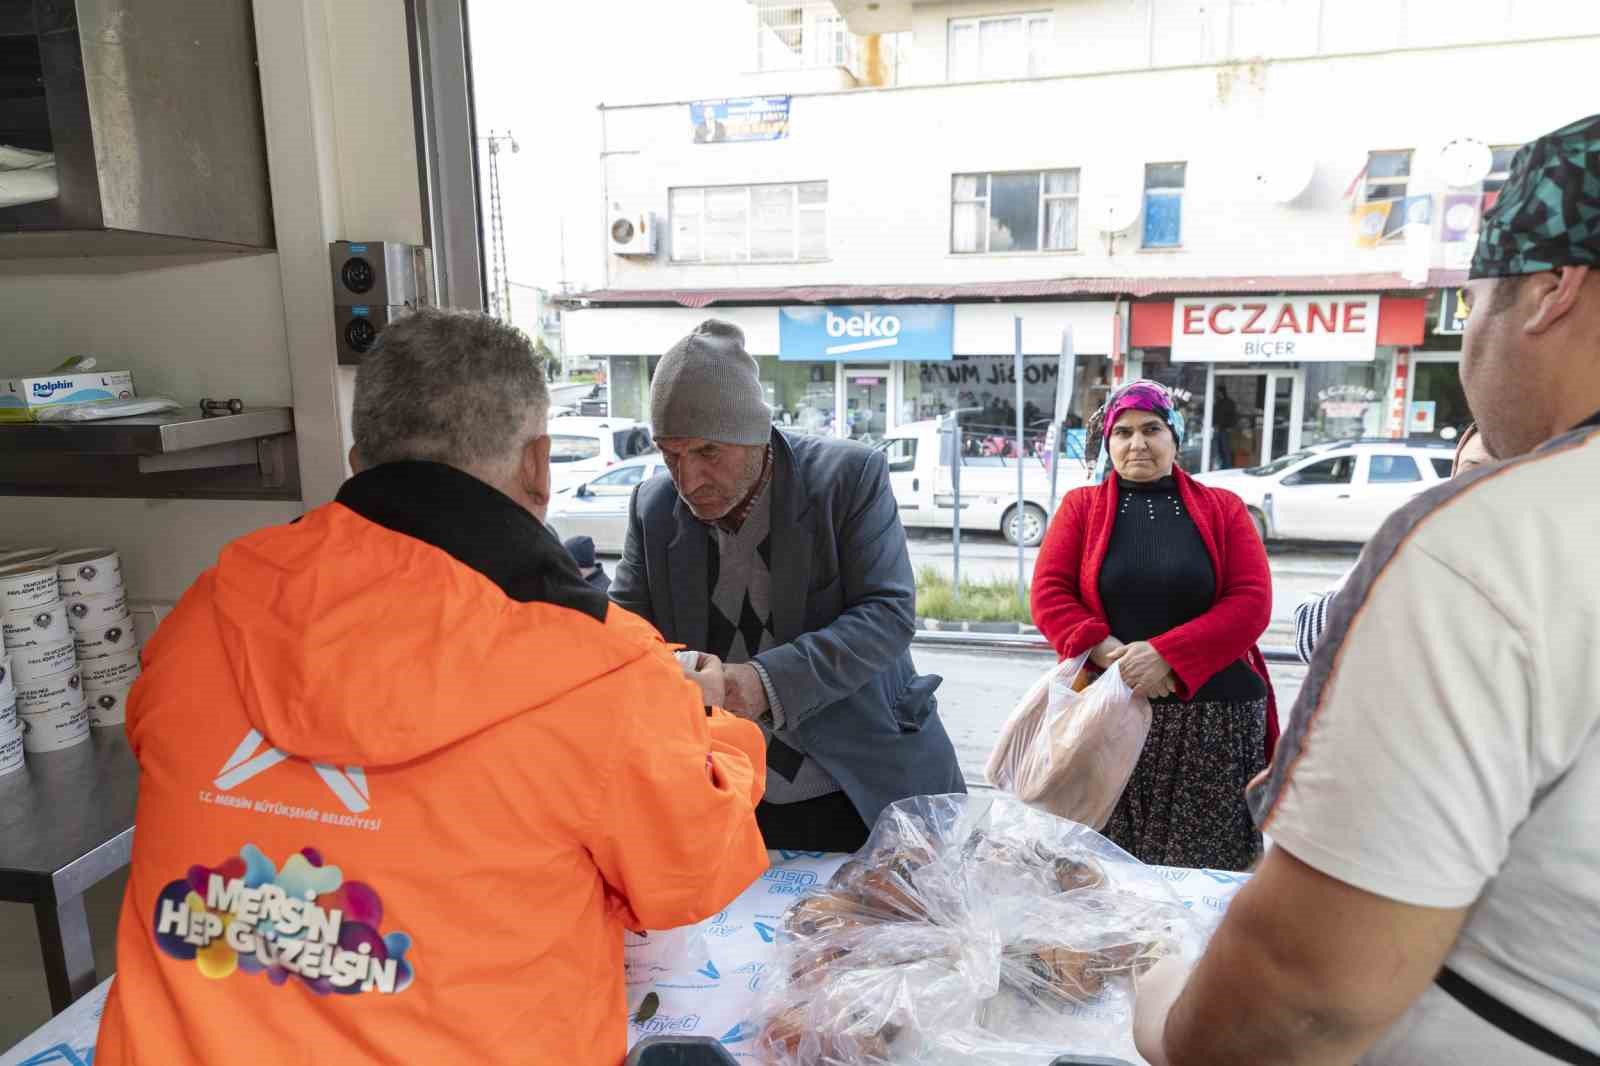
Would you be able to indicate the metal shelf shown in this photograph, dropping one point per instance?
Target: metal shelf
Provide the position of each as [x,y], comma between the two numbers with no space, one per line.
[159,434]
[247,456]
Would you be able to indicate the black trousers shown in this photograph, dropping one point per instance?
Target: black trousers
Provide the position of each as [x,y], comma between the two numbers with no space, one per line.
[827,823]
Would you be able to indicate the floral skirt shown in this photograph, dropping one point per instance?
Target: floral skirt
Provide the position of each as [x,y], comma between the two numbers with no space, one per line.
[1185,803]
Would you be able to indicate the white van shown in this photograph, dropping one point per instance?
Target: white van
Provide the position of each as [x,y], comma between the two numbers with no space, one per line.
[920,472]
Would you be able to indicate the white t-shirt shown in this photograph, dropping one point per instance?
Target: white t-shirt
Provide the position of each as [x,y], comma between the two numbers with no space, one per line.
[1445,750]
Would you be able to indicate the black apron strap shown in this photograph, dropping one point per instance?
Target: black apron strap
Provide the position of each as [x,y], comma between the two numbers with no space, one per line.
[1511,1022]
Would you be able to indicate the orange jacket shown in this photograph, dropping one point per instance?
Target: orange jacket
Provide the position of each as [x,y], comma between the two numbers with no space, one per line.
[389,814]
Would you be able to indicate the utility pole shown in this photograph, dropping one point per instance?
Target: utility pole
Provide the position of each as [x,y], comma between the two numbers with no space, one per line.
[499,277]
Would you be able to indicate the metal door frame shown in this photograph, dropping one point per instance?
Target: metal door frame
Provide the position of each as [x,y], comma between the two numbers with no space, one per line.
[1297,403]
[891,384]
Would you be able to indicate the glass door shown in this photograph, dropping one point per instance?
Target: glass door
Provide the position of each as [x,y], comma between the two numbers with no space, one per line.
[1252,417]
[864,404]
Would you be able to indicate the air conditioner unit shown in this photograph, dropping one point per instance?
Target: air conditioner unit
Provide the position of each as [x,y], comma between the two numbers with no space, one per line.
[632,232]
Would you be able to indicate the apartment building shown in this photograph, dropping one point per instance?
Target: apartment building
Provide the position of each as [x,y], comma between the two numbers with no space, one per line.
[1268,204]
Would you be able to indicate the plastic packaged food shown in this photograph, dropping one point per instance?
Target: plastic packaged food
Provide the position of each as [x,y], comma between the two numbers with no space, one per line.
[970,929]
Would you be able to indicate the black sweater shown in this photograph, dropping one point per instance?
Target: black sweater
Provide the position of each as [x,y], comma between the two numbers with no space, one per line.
[1157,576]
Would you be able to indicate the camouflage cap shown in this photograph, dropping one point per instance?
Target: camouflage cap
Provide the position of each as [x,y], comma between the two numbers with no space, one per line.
[1548,215]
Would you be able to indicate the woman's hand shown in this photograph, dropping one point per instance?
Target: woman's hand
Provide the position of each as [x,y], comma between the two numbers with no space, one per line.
[1107,652]
[1146,672]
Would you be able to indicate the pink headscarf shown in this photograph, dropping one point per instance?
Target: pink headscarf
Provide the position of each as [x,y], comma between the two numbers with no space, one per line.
[1143,395]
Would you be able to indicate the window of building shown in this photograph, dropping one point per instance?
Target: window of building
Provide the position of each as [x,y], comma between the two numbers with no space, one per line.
[801,395]
[1393,470]
[1023,212]
[1006,46]
[750,223]
[794,35]
[1499,173]
[1388,176]
[1163,204]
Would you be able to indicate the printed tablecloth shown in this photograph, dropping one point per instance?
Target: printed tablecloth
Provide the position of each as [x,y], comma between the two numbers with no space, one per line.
[701,992]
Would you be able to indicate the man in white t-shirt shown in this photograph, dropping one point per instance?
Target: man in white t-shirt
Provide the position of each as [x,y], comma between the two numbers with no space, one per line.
[1433,893]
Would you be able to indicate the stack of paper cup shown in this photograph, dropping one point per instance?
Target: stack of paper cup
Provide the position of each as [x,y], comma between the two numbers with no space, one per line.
[10,728]
[102,630]
[43,672]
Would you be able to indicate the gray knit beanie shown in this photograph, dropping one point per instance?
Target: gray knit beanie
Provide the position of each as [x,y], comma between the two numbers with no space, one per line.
[707,386]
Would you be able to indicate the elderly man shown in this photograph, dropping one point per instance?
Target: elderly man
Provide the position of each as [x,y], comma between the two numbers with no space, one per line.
[782,562]
[399,756]
[1433,895]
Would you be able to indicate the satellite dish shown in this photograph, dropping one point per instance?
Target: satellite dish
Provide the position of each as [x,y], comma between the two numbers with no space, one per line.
[1111,212]
[1281,178]
[1465,162]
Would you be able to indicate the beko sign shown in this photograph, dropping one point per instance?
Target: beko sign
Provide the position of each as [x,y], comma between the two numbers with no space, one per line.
[1295,329]
[865,332]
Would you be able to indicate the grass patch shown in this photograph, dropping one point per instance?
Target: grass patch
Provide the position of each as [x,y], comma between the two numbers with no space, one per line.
[980,601]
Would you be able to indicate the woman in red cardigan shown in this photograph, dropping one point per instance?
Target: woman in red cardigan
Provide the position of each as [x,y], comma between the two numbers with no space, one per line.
[1153,571]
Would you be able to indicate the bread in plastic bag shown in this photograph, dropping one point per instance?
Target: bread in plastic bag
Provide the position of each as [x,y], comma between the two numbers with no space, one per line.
[1071,753]
[969,926]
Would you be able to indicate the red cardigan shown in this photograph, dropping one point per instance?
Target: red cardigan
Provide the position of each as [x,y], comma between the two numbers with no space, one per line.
[1066,586]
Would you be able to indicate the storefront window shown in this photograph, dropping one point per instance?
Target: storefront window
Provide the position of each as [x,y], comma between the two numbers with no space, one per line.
[628,385]
[1344,401]
[1438,403]
[988,384]
[801,395]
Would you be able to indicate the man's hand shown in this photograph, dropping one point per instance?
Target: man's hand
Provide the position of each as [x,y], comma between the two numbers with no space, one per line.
[747,696]
[1107,652]
[708,672]
[1146,672]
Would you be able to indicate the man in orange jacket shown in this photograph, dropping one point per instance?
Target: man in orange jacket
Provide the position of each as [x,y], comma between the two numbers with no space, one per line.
[405,777]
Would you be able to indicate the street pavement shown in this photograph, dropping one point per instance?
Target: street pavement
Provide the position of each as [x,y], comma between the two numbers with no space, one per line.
[981,688]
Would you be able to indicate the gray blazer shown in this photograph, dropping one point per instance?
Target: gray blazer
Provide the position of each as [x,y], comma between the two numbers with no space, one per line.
[844,610]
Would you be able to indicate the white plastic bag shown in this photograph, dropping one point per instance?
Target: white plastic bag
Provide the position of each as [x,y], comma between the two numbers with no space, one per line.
[1071,753]
[969,931]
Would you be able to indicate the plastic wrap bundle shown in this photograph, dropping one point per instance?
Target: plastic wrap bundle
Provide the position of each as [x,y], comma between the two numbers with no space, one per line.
[970,929]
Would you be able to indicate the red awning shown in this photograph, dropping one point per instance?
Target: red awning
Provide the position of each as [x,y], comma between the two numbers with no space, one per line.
[1053,288]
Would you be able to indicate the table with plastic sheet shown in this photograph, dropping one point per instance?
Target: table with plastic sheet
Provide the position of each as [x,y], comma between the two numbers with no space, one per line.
[713,996]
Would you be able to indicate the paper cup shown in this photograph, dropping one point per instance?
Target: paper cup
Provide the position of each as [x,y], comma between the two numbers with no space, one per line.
[50,693]
[32,627]
[92,612]
[31,664]
[112,671]
[108,707]
[114,639]
[89,572]
[8,687]
[10,749]
[55,730]
[26,585]
[8,716]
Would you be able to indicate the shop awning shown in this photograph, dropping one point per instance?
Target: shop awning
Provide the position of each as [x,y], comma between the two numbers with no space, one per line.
[1047,289]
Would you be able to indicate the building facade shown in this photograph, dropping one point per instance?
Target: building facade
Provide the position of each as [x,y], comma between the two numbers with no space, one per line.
[1267,204]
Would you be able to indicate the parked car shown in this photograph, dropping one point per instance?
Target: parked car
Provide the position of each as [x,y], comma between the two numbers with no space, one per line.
[581,448]
[598,508]
[920,473]
[1336,492]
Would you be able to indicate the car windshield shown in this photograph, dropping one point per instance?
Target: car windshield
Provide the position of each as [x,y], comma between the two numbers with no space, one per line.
[1278,466]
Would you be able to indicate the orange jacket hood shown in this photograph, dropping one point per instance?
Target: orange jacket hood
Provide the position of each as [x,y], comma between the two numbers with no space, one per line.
[300,635]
